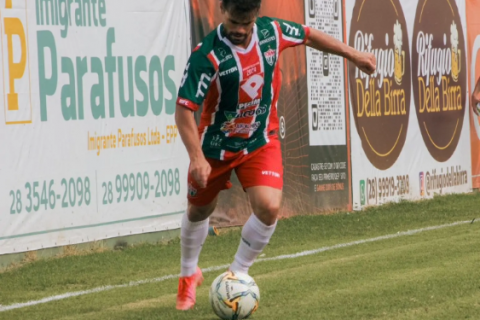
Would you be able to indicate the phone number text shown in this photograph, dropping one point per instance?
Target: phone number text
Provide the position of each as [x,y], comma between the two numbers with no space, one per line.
[141,185]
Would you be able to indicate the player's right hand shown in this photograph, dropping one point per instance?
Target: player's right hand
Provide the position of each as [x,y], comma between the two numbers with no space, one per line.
[200,170]
[365,61]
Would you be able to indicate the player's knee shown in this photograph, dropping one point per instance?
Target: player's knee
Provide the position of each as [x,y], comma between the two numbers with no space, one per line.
[273,208]
[268,211]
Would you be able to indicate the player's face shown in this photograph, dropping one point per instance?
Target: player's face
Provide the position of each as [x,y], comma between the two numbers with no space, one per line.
[239,27]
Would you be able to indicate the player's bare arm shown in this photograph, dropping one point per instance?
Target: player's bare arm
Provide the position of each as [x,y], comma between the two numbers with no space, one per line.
[187,127]
[323,42]
[476,98]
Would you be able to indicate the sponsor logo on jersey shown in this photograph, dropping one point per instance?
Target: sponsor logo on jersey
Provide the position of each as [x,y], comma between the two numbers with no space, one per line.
[252,86]
[267,40]
[222,52]
[229,71]
[216,142]
[248,104]
[228,57]
[183,102]
[238,145]
[224,56]
[203,85]
[239,128]
[251,69]
[292,30]
[245,113]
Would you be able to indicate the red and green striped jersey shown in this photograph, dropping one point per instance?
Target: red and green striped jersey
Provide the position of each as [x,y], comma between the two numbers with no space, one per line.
[239,87]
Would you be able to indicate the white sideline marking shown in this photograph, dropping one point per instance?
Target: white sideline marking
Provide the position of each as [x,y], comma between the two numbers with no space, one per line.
[225,266]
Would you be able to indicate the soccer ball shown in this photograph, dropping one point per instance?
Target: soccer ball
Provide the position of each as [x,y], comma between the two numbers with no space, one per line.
[234,295]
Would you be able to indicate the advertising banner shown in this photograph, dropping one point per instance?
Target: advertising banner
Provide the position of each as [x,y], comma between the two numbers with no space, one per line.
[473,30]
[90,145]
[328,124]
[410,134]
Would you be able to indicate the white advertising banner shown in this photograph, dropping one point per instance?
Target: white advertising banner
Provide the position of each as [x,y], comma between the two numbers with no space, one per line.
[410,133]
[325,77]
[89,145]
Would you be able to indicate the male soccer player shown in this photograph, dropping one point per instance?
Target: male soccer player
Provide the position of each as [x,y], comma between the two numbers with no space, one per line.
[476,98]
[235,73]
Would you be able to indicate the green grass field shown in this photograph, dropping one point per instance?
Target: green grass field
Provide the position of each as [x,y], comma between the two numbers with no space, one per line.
[428,274]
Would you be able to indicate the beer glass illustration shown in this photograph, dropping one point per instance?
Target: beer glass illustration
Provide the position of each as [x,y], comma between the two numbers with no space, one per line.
[399,68]
[456,53]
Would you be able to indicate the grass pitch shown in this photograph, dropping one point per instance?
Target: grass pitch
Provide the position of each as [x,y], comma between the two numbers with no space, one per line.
[428,275]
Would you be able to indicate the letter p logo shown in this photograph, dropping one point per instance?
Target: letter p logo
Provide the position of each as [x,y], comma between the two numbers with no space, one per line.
[14,27]
[15,63]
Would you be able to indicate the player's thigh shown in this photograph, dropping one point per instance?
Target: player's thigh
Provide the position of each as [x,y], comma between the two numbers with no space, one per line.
[219,179]
[263,167]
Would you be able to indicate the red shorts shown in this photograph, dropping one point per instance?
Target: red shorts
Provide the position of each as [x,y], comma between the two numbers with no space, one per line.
[262,167]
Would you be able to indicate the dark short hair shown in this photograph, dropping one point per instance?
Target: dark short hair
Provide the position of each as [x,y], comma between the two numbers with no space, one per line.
[242,6]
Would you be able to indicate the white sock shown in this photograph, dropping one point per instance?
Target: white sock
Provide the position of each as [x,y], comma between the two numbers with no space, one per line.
[193,235]
[255,236]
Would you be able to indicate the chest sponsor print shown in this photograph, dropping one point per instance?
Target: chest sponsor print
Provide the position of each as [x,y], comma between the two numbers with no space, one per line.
[230,127]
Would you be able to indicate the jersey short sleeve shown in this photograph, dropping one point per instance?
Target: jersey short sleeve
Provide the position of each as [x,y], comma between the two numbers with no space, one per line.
[196,81]
[291,33]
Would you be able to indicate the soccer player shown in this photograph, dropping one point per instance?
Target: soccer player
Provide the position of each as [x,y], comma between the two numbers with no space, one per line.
[476,98]
[234,72]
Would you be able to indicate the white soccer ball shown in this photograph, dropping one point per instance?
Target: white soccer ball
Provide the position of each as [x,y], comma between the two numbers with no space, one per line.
[234,295]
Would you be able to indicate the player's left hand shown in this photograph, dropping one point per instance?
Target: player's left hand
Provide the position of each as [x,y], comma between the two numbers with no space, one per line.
[365,61]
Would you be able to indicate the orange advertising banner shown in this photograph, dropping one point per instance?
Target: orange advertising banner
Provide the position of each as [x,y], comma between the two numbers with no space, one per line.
[473,30]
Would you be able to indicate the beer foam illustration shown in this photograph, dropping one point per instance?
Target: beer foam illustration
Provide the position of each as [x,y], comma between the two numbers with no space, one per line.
[397,36]
[454,36]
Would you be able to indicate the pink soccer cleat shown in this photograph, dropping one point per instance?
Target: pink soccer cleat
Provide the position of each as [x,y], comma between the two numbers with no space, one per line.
[187,288]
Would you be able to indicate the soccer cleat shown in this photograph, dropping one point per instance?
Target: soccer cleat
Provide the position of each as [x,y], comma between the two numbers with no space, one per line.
[187,288]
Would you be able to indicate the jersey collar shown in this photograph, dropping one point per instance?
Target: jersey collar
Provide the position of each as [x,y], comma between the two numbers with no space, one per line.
[252,43]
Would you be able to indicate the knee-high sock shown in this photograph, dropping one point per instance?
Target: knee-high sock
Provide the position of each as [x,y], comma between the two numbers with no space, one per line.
[193,235]
[255,236]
